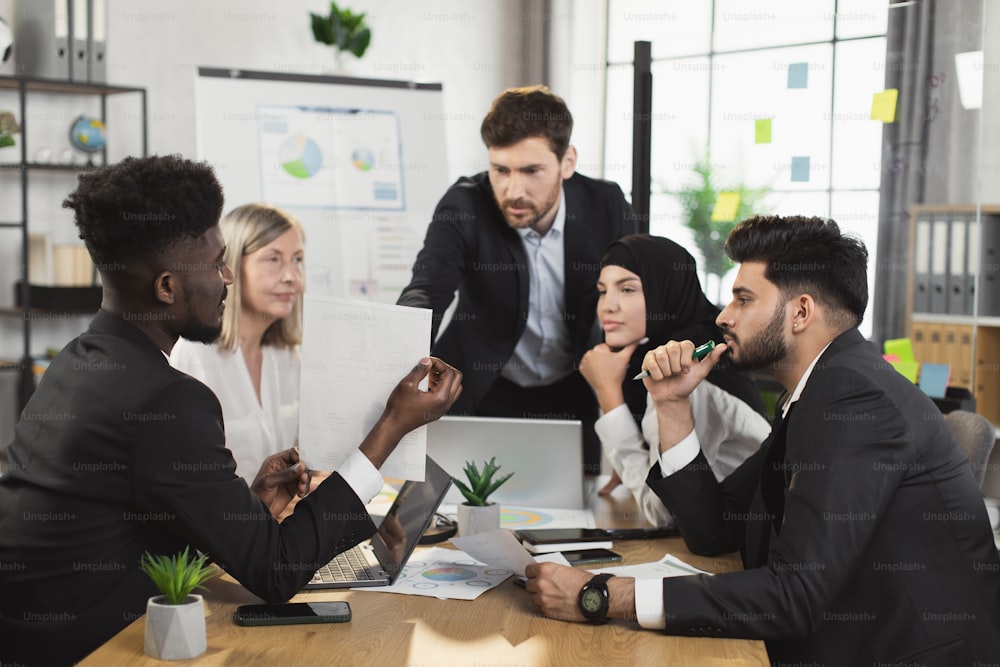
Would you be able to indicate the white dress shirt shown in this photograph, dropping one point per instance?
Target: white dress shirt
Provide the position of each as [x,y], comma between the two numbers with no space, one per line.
[649,592]
[731,429]
[256,429]
[543,354]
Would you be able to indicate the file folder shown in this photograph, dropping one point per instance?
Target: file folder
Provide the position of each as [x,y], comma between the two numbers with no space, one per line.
[42,30]
[922,266]
[957,266]
[971,268]
[989,267]
[97,28]
[78,23]
[939,267]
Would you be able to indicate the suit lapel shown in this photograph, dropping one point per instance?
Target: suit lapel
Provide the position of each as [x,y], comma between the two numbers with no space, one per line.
[772,477]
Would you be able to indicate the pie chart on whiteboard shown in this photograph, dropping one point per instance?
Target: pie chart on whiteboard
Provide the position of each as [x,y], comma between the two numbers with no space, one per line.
[300,156]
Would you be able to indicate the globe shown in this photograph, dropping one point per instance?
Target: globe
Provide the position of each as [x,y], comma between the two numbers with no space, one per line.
[87,134]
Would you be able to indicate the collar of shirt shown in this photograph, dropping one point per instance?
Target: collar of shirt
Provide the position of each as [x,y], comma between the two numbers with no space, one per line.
[802,383]
[558,224]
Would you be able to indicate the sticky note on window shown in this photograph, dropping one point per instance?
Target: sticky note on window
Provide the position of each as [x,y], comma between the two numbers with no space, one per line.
[800,168]
[900,347]
[884,105]
[762,131]
[934,379]
[798,75]
[726,205]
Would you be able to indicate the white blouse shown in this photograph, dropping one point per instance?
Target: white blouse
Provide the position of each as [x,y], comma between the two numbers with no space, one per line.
[254,430]
[726,429]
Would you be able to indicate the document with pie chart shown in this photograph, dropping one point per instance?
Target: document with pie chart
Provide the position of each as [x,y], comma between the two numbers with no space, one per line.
[326,157]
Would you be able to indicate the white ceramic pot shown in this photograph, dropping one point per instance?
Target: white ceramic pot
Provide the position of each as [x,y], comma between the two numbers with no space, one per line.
[175,631]
[474,519]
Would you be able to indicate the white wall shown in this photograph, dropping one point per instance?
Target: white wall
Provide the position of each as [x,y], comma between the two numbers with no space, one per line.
[472,47]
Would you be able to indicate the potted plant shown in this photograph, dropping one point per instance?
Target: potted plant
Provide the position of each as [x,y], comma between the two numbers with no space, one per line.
[175,620]
[342,29]
[698,200]
[477,514]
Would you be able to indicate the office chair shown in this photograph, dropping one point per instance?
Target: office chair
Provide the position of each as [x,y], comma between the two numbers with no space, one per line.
[976,436]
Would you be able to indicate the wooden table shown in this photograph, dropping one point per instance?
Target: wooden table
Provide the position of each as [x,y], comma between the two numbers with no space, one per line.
[501,627]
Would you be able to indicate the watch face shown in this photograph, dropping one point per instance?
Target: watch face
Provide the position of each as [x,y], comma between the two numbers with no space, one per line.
[592,599]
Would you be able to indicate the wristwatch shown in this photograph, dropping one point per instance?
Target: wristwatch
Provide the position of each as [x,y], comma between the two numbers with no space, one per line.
[593,600]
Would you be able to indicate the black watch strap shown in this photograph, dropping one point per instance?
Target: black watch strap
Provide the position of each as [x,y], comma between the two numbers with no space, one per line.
[596,586]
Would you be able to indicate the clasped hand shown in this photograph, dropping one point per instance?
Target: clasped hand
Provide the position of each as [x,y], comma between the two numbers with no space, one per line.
[673,374]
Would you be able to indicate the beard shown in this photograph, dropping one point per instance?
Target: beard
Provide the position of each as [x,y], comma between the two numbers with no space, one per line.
[536,212]
[765,348]
[197,331]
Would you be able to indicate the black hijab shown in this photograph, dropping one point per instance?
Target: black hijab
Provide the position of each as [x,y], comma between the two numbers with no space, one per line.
[676,309]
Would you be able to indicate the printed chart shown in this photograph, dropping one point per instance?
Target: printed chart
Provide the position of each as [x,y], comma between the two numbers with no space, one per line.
[324,157]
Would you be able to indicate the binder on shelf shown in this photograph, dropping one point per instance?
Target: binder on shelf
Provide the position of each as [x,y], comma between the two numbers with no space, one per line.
[97,28]
[957,266]
[43,34]
[939,267]
[971,268]
[989,267]
[922,266]
[78,20]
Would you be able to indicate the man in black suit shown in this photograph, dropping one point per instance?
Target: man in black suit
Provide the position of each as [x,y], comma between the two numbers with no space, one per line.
[862,530]
[117,453]
[522,244]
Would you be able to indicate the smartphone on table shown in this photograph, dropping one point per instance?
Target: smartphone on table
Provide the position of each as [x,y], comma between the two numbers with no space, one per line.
[585,556]
[293,613]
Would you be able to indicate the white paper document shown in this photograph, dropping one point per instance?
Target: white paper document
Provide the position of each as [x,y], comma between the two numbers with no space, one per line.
[668,566]
[353,355]
[497,548]
[445,574]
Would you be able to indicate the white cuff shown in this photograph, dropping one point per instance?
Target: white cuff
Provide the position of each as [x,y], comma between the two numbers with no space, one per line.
[611,426]
[363,477]
[681,454]
[649,604]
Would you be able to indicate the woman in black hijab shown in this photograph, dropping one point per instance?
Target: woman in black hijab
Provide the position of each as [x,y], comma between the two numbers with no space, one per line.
[650,294]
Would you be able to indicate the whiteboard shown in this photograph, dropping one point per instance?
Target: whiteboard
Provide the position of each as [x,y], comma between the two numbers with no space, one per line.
[360,162]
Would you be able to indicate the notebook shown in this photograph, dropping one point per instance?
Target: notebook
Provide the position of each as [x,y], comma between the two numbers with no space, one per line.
[380,561]
[545,455]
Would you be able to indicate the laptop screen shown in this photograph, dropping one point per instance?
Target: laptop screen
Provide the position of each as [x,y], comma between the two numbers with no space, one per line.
[410,515]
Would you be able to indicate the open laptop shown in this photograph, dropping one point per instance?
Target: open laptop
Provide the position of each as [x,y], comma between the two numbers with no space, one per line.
[379,562]
[545,455]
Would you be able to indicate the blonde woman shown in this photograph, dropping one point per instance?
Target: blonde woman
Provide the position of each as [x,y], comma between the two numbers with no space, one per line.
[254,367]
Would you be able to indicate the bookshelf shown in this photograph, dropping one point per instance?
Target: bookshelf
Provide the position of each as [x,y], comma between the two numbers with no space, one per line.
[39,303]
[954,296]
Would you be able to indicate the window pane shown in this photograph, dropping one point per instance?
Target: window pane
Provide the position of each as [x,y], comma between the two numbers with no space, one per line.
[674,27]
[753,86]
[618,124]
[861,18]
[740,24]
[857,141]
[680,121]
[857,212]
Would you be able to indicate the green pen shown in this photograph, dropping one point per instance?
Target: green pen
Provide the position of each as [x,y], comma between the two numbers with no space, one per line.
[699,353]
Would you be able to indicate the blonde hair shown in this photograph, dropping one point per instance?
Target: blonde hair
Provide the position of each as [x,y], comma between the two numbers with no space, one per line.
[246,229]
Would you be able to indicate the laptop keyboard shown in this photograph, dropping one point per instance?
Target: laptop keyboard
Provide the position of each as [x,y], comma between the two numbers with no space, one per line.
[348,566]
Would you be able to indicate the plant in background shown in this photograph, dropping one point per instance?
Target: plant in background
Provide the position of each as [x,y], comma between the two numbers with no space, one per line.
[481,485]
[177,576]
[342,29]
[8,128]
[699,199]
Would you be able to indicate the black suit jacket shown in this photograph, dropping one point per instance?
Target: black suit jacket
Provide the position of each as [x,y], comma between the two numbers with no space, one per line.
[117,453]
[862,530]
[470,247]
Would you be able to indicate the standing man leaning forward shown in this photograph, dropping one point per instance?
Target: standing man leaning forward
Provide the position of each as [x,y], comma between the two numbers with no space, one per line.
[861,528]
[522,244]
[117,453]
